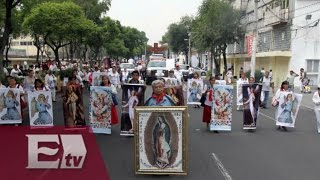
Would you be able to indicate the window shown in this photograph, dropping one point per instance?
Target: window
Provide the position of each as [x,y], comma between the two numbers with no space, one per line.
[26,43]
[313,65]
[283,35]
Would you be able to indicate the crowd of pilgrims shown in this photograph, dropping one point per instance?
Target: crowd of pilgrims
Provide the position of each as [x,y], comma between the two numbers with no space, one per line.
[46,80]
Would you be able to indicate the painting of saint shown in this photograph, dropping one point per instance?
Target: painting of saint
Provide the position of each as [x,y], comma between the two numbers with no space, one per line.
[251,102]
[73,104]
[132,96]
[97,78]
[162,148]
[176,94]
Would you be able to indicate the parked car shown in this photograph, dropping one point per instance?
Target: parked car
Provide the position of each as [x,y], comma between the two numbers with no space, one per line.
[156,69]
[129,66]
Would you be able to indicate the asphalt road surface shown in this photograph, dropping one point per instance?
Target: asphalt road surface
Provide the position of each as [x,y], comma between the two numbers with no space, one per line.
[266,154]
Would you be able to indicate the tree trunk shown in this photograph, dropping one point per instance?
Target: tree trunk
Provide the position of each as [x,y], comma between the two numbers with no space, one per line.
[71,51]
[7,50]
[56,57]
[38,54]
[6,32]
[224,47]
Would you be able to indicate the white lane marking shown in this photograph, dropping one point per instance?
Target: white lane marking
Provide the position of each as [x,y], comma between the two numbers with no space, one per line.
[267,116]
[222,169]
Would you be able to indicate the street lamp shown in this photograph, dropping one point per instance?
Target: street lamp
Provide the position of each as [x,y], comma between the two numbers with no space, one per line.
[189,49]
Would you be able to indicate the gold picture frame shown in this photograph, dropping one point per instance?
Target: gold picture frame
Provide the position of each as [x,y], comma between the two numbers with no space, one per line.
[160,140]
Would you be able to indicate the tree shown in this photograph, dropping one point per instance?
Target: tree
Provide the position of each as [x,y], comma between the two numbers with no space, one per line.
[177,35]
[6,12]
[135,41]
[59,24]
[216,26]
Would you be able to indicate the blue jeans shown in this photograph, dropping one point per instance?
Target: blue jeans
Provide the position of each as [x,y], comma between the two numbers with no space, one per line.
[266,98]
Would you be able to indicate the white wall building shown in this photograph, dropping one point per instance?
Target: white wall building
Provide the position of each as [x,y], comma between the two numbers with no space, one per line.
[306,39]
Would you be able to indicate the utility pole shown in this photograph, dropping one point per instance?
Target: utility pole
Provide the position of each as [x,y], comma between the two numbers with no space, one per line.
[255,39]
[189,53]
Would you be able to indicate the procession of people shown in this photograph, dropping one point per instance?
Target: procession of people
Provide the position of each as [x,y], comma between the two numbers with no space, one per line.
[214,95]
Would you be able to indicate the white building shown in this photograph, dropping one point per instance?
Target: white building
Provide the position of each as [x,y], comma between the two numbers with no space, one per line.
[289,37]
[306,39]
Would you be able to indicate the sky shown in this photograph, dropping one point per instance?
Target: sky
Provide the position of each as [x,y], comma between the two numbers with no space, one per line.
[152,16]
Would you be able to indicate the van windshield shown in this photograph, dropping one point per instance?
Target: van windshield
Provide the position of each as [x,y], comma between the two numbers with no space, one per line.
[157,64]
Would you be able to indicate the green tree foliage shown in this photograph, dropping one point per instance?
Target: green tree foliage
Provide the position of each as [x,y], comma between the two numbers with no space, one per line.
[6,9]
[58,24]
[216,26]
[178,34]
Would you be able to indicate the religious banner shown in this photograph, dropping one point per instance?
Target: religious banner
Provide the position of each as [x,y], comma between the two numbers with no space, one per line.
[194,91]
[73,111]
[251,102]
[10,111]
[170,82]
[176,94]
[288,107]
[239,92]
[132,96]
[40,108]
[221,82]
[221,113]
[249,39]
[97,78]
[100,109]
[161,140]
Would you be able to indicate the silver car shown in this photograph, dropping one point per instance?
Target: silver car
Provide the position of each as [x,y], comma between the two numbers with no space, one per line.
[130,67]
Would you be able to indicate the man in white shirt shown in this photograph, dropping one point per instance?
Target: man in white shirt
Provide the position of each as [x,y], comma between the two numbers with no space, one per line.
[50,81]
[266,85]
[178,73]
[114,77]
[15,72]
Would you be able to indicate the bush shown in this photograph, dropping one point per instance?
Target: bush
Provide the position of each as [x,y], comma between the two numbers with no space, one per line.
[257,75]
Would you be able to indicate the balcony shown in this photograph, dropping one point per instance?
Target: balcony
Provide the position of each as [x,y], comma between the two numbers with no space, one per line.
[276,16]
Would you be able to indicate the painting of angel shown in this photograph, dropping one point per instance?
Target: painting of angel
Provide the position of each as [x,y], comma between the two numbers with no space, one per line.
[40,108]
[10,106]
[100,109]
[195,88]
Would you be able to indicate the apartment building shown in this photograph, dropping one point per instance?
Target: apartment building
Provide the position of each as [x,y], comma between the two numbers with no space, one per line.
[288,37]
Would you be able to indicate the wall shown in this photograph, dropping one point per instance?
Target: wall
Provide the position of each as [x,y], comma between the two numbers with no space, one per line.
[306,40]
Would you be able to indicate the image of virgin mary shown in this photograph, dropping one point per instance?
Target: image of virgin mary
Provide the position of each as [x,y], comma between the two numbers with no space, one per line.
[162,150]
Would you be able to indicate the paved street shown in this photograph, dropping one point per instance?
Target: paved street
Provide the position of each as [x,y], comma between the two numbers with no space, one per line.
[265,154]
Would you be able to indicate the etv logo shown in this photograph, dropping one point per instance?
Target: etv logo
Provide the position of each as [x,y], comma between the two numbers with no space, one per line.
[74,151]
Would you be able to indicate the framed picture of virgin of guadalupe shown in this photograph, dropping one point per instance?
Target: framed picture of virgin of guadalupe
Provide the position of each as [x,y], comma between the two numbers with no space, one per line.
[161,140]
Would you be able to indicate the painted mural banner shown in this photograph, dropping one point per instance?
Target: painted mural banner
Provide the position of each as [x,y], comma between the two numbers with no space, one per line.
[194,91]
[221,113]
[251,103]
[40,108]
[100,109]
[132,96]
[176,94]
[161,140]
[10,111]
[288,108]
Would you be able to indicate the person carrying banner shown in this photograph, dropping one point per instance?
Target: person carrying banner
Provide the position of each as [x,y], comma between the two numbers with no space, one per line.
[159,98]
[13,84]
[208,93]
[243,80]
[114,115]
[135,78]
[275,101]
[316,101]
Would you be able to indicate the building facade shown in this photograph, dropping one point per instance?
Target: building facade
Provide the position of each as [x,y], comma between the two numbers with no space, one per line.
[288,38]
